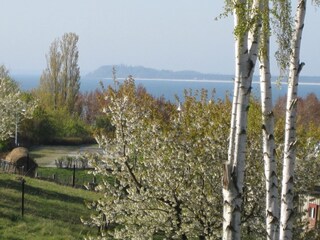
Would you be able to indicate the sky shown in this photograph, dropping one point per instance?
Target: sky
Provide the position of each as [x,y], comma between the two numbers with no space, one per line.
[167,34]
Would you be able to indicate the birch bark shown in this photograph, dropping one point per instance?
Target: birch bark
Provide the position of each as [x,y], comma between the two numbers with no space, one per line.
[268,142]
[287,211]
[246,48]
[229,192]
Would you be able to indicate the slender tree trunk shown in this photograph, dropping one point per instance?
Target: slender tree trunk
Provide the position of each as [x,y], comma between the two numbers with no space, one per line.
[228,190]
[287,211]
[234,169]
[270,166]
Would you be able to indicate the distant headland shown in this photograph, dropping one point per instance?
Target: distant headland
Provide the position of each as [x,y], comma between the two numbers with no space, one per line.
[140,72]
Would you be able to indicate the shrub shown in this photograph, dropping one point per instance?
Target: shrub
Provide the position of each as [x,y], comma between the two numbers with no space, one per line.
[70,161]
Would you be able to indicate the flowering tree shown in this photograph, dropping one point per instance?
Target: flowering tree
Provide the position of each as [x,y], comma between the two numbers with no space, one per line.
[163,174]
[13,107]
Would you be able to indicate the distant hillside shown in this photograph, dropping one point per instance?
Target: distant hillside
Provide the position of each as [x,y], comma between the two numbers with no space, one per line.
[138,72]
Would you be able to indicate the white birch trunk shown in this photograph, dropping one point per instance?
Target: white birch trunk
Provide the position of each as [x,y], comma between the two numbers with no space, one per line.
[234,168]
[287,211]
[270,166]
[229,192]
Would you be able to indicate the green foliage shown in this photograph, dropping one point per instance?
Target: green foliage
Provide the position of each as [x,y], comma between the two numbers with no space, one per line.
[279,22]
[38,129]
[73,128]
[55,127]
[60,81]
[282,22]
[5,146]
[61,105]
[253,214]
[103,126]
[307,157]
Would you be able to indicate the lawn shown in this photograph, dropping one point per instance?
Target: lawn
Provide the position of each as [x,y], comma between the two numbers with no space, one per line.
[64,176]
[51,211]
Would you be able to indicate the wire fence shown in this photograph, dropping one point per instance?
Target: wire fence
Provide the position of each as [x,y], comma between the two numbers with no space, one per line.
[71,179]
[74,177]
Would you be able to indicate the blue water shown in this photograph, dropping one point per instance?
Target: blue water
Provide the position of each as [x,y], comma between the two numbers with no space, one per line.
[223,88]
[170,88]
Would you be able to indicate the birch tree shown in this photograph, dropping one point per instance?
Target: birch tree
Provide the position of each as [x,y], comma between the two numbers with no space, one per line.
[287,194]
[247,34]
[268,138]
[236,155]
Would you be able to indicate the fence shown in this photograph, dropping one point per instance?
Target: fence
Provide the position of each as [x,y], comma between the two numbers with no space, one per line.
[68,177]
[9,167]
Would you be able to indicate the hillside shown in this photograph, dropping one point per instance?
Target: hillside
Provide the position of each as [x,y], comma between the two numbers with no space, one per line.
[123,71]
[51,211]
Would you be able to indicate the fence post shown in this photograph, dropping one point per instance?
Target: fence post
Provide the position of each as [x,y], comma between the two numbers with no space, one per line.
[74,175]
[22,196]
[27,163]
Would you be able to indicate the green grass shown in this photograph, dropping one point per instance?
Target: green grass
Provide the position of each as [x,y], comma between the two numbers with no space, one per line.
[64,176]
[51,211]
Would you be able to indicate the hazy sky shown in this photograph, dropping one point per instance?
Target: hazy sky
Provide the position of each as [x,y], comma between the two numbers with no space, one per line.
[162,34]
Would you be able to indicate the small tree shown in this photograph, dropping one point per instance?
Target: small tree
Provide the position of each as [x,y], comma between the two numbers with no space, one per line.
[14,107]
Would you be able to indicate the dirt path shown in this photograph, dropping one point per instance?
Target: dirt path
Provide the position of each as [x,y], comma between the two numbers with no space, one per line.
[45,156]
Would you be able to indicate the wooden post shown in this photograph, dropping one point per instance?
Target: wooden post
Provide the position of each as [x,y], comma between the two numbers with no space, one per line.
[27,163]
[22,196]
[74,175]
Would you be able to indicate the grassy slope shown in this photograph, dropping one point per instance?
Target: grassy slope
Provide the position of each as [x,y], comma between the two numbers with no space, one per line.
[51,211]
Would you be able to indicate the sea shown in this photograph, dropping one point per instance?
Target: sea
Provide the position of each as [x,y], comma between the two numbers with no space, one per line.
[172,88]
